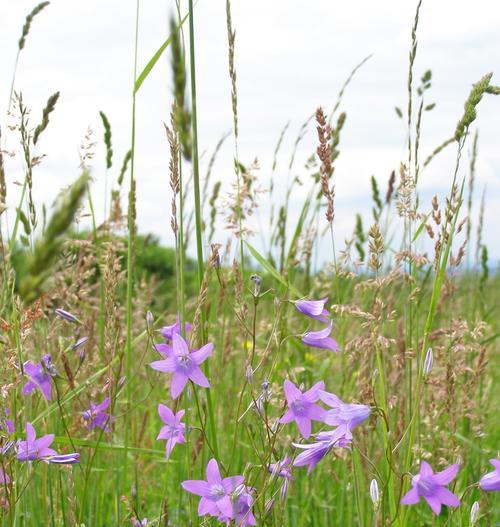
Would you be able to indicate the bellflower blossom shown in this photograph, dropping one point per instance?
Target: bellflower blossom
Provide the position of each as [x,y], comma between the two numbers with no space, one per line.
[313,308]
[215,492]
[67,316]
[168,331]
[326,441]
[185,365]
[40,377]
[343,414]
[281,468]
[431,487]
[491,480]
[242,501]
[173,431]
[96,416]
[321,339]
[33,449]
[4,477]
[301,406]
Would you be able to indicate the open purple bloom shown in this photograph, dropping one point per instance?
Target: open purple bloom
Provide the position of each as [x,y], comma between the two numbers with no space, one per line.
[321,339]
[343,414]
[313,308]
[96,416]
[185,365]
[326,441]
[173,431]
[491,480]
[34,448]
[168,331]
[301,406]
[242,514]
[214,492]
[431,487]
[40,377]
[6,423]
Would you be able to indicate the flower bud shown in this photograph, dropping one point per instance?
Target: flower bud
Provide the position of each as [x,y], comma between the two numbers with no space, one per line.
[474,513]
[374,493]
[428,362]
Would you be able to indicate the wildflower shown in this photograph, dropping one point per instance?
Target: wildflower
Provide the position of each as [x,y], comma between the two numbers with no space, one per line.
[214,492]
[242,501]
[184,365]
[4,477]
[301,407]
[431,487]
[313,308]
[321,339]
[65,459]
[6,423]
[139,523]
[428,361]
[474,513]
[491,480]
[281,468]
[67,316]
[315,452]
[79,343]
[40,377]
[150,319]
[96,416]
[34,448]
[374,493]
[173,431]
[168,331]
[343,414]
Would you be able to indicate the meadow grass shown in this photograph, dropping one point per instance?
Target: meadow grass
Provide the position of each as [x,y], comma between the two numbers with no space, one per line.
[413,300]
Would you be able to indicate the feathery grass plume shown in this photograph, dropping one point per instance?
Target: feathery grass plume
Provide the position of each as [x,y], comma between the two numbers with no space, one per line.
[324,152]
[475,96]
[210,166]
[231,36]
[493,90]
[123,170]
[49,108]
[47,249]
[213,209]
[182,116]
[27,24]
[107,139]
[438,149]
[425,84]
[376,247]
[174,171]
[360,237]
[377,210]
[390,187]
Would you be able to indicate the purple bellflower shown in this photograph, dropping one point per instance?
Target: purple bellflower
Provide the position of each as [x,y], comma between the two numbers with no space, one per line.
[173,431]
[4,477]
[67,316]
[431,487]
[168,331]
[321,339]
[326,441]
[313,308]
[242,501]
[185,365]
[343,414]
[301,406]
[282,468]
[215,492]
[34,448]
[491,480]
[96,416]
[40,377]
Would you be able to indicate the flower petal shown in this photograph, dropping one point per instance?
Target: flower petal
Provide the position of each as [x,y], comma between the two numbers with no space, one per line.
[198,377]
[196,486]
[411,497]
[179,381]
[447,475]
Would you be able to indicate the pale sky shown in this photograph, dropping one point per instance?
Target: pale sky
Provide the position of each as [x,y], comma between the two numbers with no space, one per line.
[291,57]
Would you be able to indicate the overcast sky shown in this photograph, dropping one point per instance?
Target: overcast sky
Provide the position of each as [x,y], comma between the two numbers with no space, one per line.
[291,56]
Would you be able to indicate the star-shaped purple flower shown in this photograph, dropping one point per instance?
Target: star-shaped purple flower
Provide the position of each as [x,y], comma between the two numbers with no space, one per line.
[173,431]
[343,414]
[491,480]
[185,365]
[313,308]
[214,492]
[34,448]
[40,376]
[242,515]
[321,339]
[301,407]
[431,487]
[96,416]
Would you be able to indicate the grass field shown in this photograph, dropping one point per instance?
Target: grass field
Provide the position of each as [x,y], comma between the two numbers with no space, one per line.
[301,395]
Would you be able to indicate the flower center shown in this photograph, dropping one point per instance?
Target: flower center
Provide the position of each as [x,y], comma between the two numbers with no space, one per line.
[217,491]
[425,487]
[299,407]
[184,363]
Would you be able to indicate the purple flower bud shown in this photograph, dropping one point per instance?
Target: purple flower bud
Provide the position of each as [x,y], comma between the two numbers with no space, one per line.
[79,343]
[67,316]
[150,319]
[428,362]
[491,480]
[474,513]
[65,459]
[257,283]
[374,493]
